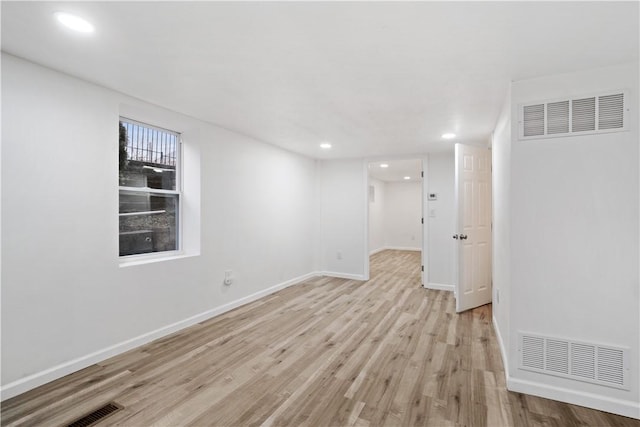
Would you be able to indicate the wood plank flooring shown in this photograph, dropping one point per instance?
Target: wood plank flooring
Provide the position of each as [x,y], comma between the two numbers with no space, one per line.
[329,352]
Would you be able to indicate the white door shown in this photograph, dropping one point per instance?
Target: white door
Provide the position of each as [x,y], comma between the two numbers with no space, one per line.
[473,227]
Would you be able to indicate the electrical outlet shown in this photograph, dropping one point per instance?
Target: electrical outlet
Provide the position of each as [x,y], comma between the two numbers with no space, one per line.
[227,277]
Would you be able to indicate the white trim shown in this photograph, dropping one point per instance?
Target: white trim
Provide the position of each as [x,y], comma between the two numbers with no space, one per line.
[424,200]
[402,248]
[142,259]
[349,276]
[147,190]
[365,259]
[32,381]
[394,248]
[440,287]
[141,213]
[375,251]
[148,125]
[625,408]
[503,350]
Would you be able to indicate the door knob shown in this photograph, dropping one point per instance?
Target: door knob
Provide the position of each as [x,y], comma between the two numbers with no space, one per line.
[463,237]
[455,236]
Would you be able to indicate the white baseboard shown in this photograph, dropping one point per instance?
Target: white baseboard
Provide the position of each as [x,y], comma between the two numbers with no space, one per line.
[625,408]
[394,248]
[503,350]
[341,275]
[439,287]
[402,248]
[32,381]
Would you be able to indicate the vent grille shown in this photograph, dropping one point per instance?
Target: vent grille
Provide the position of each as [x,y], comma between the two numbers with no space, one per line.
[557,356]
[604,365]
[583,360]
[97,415]
[611,111]
[579,116]
[609,362]
[583,115]
[534,120]
[533,352]
[558,117]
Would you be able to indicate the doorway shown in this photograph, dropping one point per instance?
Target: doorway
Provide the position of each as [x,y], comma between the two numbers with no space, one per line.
[395,190]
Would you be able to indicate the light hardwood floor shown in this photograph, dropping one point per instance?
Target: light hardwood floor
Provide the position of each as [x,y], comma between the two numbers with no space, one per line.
[327,352]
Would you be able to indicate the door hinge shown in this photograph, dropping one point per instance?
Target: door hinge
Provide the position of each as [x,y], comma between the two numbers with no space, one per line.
[421,174]
[421,220]
[422,266]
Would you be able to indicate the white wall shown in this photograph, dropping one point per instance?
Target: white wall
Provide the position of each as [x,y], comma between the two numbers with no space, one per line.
[501,204]
[440,217]
[343,217]
[574,238]
[402,215]
[376,216]
[66,302]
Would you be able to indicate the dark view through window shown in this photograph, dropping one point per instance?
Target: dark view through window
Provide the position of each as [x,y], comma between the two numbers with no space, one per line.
[149,196]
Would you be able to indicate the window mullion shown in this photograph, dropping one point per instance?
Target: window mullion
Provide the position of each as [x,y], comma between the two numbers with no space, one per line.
[148,190]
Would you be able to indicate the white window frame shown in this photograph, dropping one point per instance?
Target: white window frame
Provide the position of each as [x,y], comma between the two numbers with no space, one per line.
[152,256]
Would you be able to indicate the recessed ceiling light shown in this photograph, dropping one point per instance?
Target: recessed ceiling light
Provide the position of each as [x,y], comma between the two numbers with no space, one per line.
[448,135]
[74,22]
[407,177]
[384,165]
[325,145]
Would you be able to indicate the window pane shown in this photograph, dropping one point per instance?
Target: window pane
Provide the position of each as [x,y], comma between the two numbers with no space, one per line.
[148,157]
[148,222]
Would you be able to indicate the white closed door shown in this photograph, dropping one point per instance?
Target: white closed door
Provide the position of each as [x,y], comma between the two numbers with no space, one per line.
[473,227]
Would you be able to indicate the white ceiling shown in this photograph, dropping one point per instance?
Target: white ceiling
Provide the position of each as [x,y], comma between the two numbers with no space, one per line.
[396,170]
[374,79]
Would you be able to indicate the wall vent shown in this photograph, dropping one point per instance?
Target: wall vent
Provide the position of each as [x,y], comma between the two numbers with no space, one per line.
[575,116]
[594,363]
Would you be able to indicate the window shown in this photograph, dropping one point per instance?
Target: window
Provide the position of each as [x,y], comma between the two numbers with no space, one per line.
[149,182]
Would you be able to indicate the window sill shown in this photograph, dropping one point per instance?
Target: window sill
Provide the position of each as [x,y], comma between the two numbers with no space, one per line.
[149,259]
